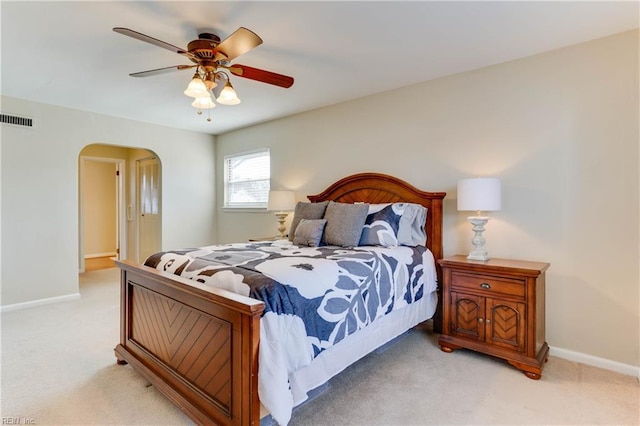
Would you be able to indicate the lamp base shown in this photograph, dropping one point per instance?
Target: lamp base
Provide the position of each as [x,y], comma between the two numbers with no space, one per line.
[478,252]
[481,256]
[281,227]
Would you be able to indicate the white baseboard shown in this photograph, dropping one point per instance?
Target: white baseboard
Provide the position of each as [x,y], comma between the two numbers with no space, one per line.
[607,364]
[39,302]
[96,255]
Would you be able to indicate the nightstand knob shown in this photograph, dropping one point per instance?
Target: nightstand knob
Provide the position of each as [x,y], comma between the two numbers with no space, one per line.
[480,320]
[485,285]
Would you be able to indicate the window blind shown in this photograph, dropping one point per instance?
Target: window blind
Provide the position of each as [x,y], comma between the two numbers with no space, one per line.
[247,179]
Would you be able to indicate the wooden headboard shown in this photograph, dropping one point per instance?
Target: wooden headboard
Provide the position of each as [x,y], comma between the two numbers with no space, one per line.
[375,188]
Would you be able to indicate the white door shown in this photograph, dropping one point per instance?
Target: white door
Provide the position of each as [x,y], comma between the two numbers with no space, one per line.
[149,207]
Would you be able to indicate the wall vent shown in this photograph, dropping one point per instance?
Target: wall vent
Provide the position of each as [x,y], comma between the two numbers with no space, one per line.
[15,120]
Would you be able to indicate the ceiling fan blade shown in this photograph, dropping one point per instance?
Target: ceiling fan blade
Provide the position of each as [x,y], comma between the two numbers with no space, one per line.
[261,75]
[161,70]
[154,41]
[241,41]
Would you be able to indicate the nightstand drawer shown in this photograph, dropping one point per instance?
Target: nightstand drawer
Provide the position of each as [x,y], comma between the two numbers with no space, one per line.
[487,283]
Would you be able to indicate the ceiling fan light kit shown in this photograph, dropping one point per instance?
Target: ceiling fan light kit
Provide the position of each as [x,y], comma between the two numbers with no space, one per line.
[200,87]
[208,54]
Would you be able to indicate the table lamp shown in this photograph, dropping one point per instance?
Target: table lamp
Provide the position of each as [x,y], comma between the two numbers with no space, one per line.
[281,202]
[479,194]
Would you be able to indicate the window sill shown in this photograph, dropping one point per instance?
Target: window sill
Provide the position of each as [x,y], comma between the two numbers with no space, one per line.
[244,209]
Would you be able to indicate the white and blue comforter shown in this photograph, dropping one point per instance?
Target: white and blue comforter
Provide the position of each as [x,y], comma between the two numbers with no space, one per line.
[314,296]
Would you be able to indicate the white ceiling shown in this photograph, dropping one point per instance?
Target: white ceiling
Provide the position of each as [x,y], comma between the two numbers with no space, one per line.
[65,53]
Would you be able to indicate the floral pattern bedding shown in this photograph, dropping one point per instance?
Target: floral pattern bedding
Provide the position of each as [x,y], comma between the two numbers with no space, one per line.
[314,296]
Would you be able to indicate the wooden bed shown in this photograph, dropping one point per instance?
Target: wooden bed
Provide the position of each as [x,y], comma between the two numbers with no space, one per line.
[199,347]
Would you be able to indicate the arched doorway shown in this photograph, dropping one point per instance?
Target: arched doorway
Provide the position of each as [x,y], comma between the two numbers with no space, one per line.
[120,215]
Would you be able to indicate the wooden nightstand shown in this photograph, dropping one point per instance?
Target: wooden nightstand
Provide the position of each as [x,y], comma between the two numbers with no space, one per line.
[496,307]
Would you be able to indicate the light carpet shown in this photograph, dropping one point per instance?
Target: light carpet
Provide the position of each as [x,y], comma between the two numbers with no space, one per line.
[58,367]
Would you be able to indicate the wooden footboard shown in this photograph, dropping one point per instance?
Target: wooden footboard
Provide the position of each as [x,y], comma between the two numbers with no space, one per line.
[198,347]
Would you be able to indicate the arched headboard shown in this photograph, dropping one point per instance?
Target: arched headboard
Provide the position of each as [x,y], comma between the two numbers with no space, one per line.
[377,188]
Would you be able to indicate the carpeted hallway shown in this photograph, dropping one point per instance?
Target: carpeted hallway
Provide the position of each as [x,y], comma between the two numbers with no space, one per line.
[58,368]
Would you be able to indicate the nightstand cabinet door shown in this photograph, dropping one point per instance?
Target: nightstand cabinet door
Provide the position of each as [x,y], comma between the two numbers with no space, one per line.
[467,312]
[505,323]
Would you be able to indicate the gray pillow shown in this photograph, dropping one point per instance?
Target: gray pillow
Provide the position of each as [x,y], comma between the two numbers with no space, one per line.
[344,223]
[309,232]
[306,211]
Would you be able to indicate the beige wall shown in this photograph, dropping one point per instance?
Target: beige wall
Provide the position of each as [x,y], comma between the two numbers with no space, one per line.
[40,192]
[561,131]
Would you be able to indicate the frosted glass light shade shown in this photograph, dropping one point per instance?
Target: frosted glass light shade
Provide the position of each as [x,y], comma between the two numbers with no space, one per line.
[203,103]
[281,201]
[479,194]
[196,88]
[210,81]
[228,95]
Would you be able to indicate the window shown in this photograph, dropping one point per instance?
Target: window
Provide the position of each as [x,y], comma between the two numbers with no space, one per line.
[247,179]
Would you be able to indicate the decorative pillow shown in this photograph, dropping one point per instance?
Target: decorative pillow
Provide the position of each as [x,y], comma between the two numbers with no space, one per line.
[344,223]
[309,232]
[381,226]
[411,230]
[306,211]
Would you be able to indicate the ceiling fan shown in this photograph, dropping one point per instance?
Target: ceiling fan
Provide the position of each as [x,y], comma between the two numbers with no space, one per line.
[212,58]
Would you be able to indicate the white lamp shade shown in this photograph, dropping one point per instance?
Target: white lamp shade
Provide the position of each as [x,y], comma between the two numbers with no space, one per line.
[281,201]
[479,194]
